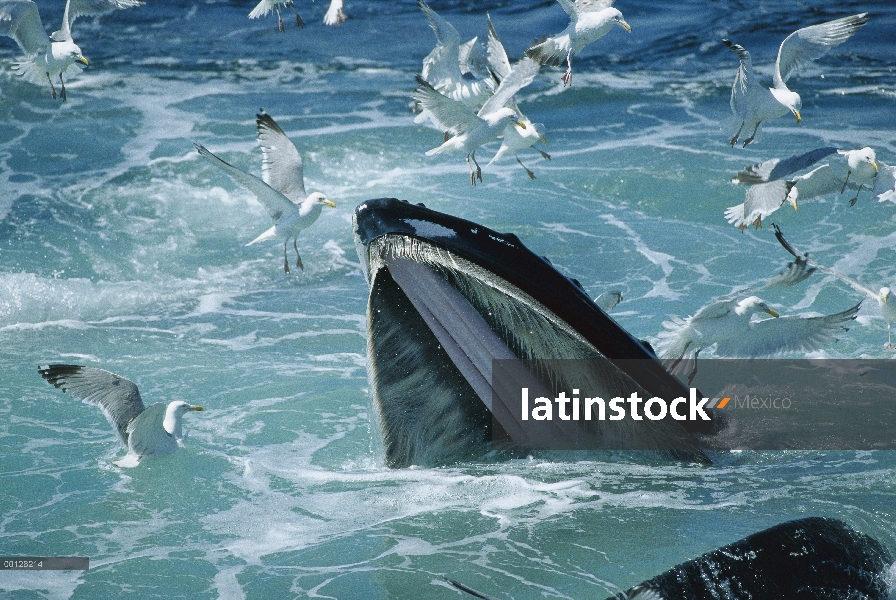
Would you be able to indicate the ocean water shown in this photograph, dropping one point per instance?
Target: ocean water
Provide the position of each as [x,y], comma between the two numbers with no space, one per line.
[121,249]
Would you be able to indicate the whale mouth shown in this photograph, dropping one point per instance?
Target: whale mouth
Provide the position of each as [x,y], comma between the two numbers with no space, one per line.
[450,302]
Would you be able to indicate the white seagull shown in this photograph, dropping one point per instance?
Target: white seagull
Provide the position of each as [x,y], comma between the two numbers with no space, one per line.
[334,14]
[472,130]
[887,308]
[451,67]
[771,190]
[589,20]
[266,6]
[752,103]
[282,190]
[50,56]
[726,323]
[514,138]
[144,430]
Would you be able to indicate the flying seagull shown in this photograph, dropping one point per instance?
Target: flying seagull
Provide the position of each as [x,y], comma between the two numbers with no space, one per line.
[887,308]
[47,57]
[282,187]
[452,67]
[266,6]
[726,322]
[144,430]
[752,103]
[773,184]
[589,20]
[514,138]
[472,130]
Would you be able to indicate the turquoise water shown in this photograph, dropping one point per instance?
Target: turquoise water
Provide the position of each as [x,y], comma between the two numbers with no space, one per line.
[121,249]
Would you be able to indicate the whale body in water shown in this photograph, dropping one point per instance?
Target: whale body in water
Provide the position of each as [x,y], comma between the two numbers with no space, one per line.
[814,558]
[447,298]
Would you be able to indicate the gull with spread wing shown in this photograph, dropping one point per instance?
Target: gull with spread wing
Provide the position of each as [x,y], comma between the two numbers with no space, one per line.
[55,55]
[143,430]
[514,138]
[589,20]
[281,189]
[772,184]
[753,103]
[472,130]
[727,323]
[887,308]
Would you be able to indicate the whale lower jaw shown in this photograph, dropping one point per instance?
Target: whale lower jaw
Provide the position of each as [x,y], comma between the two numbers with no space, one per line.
[436,321]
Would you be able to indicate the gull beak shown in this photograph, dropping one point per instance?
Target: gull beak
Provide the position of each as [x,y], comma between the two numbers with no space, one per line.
[874,164]
[884,298]
[521,124]
[330,203]
[195,407]
[796,114]
[81,59]
[772,312]
[792,203]
[625,25]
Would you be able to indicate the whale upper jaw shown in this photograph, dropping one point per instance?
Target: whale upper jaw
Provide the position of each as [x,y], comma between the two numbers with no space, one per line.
[447,298]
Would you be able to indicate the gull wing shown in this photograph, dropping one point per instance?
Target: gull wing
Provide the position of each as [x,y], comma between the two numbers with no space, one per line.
[334,14]
[742,80]
[446,34]
[817,182]
[88,8]
[276,203]
[281,163]
[448,114]
[779,168]
[497,56]
[146,433]
[520,76]
[802,256]
[788,334]
[885,183]
[591,5]
[116,396]
[809,43]
[763,199]
[795,272]
[20,20]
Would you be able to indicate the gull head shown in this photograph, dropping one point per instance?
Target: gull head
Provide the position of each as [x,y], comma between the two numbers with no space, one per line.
[502,116]
[616,16]
[790,100]
[754,304]
[173,415]
[319,198]
[884,295]
[67,51]
[858,159]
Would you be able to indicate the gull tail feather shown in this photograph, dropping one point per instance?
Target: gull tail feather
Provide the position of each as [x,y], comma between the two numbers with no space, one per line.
[270,234]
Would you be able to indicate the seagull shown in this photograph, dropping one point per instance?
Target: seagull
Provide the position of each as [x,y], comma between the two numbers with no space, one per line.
[451,66]
[55,55]
[589,20]
[771,190]
[887,308]
[727,323]
[471,130]
[514,138]
[282,189]
[144,430]
[752,103]
[265,6]
[334,14]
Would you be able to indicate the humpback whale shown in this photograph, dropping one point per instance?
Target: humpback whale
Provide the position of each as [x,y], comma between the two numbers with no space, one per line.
[815,558]
[811,558]
[449,299]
